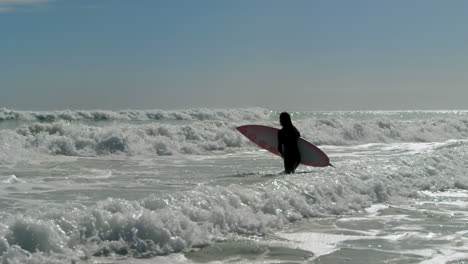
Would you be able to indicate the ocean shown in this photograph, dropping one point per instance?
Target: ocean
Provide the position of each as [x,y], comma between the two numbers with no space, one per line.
[154,186]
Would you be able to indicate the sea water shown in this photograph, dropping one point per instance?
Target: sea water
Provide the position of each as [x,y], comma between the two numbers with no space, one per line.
[184,186]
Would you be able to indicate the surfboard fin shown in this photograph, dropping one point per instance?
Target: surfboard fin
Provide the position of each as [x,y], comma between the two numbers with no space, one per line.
[331,165]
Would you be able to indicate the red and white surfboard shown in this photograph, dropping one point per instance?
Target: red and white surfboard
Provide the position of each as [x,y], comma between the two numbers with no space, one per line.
[267,137]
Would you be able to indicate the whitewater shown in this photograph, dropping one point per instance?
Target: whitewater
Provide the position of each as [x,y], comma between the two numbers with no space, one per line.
[184,186]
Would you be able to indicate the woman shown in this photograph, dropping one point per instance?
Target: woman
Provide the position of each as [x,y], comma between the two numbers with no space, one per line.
[287,144]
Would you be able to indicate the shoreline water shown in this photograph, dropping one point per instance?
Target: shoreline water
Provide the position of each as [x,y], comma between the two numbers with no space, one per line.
[188,188]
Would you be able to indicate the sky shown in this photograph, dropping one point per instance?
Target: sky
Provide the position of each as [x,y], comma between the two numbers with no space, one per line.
[316,55]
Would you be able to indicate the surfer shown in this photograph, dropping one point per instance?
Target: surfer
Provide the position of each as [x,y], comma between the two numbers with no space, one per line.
[287,144]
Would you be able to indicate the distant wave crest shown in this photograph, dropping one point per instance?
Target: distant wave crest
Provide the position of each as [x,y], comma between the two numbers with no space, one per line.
[142,115]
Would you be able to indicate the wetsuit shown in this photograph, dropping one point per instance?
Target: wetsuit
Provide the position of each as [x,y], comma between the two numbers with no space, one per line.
[287,147]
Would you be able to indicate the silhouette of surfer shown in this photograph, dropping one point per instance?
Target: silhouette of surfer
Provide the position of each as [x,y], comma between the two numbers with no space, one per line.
[287,144]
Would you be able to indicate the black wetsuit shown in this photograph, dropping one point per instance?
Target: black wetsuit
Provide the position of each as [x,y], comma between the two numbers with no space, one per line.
[287,147]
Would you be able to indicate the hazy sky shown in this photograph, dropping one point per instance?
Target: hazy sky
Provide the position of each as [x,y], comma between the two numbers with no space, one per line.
[283,55]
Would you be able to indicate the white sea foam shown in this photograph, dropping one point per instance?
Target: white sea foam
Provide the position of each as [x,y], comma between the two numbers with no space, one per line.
[60,213]
[140,115]
[319,243]
[12,179]
[176,222]
[448,193]
[199,131]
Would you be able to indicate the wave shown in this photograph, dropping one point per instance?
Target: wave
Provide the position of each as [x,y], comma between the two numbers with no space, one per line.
[177,222]
[346,131]
[205,131]
[141,115]
[77,139]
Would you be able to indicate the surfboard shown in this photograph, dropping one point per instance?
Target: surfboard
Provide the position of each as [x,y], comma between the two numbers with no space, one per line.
[267,138]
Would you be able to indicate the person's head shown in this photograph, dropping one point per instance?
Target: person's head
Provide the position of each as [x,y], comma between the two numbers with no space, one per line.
[285,120]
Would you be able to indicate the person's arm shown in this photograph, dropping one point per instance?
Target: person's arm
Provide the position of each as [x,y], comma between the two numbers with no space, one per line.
[280,144]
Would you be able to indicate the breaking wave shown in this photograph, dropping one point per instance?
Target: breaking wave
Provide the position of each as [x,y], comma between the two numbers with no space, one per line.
[159,133]
[161,225]
[140,115]
[170,222]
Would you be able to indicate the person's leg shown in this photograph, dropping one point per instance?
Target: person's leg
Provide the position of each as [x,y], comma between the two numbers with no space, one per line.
[289,166]
[296,164]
